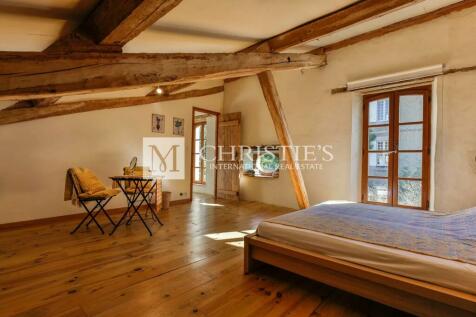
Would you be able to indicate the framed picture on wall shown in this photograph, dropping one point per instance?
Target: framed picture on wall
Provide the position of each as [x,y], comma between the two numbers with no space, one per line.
[178,126]
[158,123]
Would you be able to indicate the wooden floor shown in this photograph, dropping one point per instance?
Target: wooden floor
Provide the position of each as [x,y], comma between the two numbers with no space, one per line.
[192,266]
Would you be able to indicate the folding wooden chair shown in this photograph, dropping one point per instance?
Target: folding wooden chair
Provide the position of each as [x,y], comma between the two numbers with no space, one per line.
[101,198]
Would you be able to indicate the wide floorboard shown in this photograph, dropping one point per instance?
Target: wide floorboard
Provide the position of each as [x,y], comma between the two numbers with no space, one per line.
[192,266]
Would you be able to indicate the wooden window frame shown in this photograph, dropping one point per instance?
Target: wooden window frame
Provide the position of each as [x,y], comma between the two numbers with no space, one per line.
[393,125]
[202,167]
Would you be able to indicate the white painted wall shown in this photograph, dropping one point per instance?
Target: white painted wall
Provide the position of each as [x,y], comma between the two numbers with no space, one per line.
[35,155]
[209,187]
[315,116]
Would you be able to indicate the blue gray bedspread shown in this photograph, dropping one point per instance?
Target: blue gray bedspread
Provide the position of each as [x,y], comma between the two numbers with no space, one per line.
[445,235]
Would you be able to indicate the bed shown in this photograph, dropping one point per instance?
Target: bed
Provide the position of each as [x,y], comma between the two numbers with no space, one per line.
[420,262]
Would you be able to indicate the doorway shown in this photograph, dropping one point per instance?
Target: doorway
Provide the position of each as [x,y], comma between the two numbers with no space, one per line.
[396,148]
[203,180]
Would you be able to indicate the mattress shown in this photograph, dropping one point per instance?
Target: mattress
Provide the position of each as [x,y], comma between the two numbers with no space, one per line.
[448,235]
[436,270]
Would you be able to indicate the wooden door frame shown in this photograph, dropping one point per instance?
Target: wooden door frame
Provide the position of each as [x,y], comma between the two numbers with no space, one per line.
[202,126]
[393,125]
[217,115]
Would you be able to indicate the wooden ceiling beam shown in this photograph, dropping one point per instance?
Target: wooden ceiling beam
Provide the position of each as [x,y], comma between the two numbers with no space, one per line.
[398,26]
[39,75]
[352,14]
[112,24]
[34,103]
[271,96]
[116,22]
[8,116]
[108,27]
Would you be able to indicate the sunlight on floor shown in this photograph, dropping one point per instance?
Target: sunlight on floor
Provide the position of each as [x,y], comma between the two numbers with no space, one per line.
[226,235]
[213,205]
[236,237]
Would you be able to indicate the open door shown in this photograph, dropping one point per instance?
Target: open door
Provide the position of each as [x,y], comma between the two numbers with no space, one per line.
[228,162]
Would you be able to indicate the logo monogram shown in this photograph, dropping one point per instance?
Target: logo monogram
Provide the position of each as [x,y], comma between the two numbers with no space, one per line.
[163,159]
[165,156]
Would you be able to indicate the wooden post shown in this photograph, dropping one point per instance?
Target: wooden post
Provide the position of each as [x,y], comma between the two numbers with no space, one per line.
[277,114]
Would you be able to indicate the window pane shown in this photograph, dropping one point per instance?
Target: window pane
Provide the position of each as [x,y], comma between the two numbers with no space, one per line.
[196,161]
[409,165]
[205,131]
[409,193]
[411,108]
[377,190]
[197,147]
[204,171]
[196,177]
[379,111]
[198,132]
[411,137]
[378,139]
[378,164]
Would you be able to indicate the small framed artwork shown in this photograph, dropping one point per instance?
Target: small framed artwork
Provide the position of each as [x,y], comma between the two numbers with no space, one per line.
[178,126]
[158,123]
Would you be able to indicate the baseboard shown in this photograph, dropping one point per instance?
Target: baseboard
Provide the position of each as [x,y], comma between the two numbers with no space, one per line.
[51,220]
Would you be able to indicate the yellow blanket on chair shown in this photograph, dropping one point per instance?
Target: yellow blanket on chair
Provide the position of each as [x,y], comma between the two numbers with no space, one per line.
[85,181]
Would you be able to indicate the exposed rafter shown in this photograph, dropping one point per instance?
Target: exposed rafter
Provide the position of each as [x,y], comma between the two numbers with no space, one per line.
[34,103]
[107,28]
[8,116]
[112,24]
[332,22]
[39,75]
[268,45]
[398,26]
[117,22]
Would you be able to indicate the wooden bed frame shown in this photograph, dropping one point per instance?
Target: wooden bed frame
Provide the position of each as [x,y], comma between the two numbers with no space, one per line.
[410,295]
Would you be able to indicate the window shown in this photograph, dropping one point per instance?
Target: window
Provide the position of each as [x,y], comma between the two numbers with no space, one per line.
[396,155]
[199,163]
